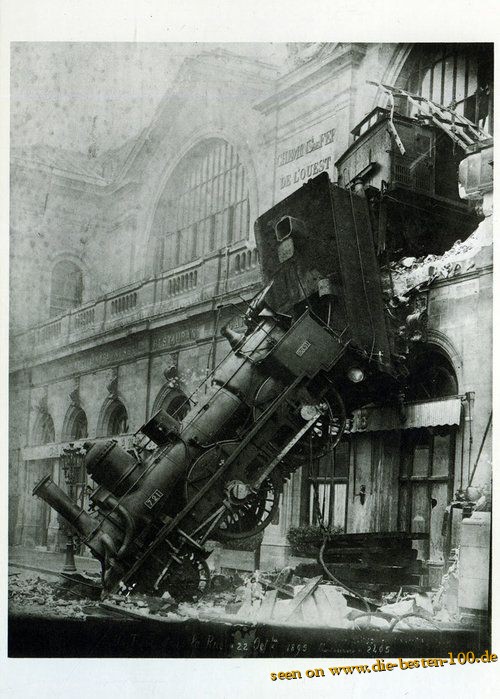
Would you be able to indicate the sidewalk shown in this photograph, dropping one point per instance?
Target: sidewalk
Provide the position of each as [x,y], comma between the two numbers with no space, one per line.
[49,561]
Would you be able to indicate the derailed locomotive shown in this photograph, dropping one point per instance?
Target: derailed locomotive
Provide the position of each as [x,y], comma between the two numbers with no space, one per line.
[317,345]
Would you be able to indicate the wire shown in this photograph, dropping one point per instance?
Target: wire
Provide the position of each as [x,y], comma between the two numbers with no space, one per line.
[338,582]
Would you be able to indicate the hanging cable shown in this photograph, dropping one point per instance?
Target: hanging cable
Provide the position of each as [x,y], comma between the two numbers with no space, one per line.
[335,580]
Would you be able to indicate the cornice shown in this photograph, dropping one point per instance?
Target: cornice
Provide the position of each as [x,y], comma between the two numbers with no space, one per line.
[189,312]
[312,74]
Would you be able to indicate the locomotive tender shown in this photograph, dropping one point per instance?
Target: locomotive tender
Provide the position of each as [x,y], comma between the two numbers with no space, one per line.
[317,345]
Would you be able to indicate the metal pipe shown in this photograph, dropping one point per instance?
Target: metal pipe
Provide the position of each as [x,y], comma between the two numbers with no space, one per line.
[128,521]
[488,425]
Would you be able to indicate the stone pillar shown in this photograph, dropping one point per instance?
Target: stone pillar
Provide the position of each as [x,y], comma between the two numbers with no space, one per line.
[55,538]
[274,552]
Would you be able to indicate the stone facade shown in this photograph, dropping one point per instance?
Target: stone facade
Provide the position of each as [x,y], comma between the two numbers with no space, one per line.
[151,301]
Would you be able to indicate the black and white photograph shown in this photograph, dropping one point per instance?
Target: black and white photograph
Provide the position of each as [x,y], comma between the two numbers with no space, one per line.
[250,365]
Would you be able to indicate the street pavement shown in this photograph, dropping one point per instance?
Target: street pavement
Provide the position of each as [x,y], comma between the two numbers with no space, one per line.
[49,561]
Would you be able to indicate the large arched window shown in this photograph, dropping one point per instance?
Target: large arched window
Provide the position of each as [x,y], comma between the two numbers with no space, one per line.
[454,75]
[174,402]
[117,419]
[65,288]
[75,425]
[43,432]
[204,207]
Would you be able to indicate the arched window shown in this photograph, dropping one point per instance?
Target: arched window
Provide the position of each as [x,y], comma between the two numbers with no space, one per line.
[65,288]
[76,425]
[456,75]
[43,432]
[117,422]
[431,376]
[204,206]
[176,405]
[173,401]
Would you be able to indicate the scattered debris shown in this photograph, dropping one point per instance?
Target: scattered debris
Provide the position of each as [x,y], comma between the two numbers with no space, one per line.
[253,593]
[411,272]
[282,582]
[275,598]
[32,593]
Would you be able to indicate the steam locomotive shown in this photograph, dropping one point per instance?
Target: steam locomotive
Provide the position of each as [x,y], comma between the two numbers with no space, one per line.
[317,345]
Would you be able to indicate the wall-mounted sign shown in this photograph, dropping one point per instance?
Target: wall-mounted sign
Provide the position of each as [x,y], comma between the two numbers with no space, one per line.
[305,173]
[91,360]
[173,338]
[302,171]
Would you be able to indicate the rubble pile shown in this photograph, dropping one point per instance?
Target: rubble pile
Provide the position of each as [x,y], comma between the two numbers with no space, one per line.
[411,272]
[277,598]
[436,609]
[35,593]
[143,605]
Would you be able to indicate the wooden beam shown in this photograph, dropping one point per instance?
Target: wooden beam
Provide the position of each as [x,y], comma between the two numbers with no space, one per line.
[267,605]
[307,590]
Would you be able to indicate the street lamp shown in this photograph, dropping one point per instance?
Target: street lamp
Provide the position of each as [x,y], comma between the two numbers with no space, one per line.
[72,464]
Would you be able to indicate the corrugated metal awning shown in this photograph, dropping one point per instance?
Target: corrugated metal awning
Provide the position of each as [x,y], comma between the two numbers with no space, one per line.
[430,413]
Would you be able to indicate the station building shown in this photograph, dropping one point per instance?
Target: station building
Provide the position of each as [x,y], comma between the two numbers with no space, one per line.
[125,266]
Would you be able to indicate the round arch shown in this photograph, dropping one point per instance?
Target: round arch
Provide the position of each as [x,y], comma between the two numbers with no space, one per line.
[439,342]
[173,401]
[43,429]
[75,424]
[113,418]
[392,72]
[47,265]
[235,138]
[454,74]
[432,373]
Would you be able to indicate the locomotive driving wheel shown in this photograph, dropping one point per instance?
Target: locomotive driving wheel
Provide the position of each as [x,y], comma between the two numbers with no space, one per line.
[186,580]
[185,575]
[242,510]
[248,514]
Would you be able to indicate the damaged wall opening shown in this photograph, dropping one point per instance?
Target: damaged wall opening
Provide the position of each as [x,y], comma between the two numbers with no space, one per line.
[452,74]
[431,375]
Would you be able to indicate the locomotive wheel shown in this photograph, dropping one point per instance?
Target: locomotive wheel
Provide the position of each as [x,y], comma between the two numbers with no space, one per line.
[185,577]
[324,434]
[185,581]
[246,512]
[253,514]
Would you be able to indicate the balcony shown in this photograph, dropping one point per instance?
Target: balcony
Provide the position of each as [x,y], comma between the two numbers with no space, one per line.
[194,283]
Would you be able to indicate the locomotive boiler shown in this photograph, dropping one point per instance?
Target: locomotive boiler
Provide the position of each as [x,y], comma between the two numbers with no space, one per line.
[316,346]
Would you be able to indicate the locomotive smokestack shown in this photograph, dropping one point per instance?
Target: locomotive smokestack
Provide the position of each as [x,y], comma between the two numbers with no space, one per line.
[61,503]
